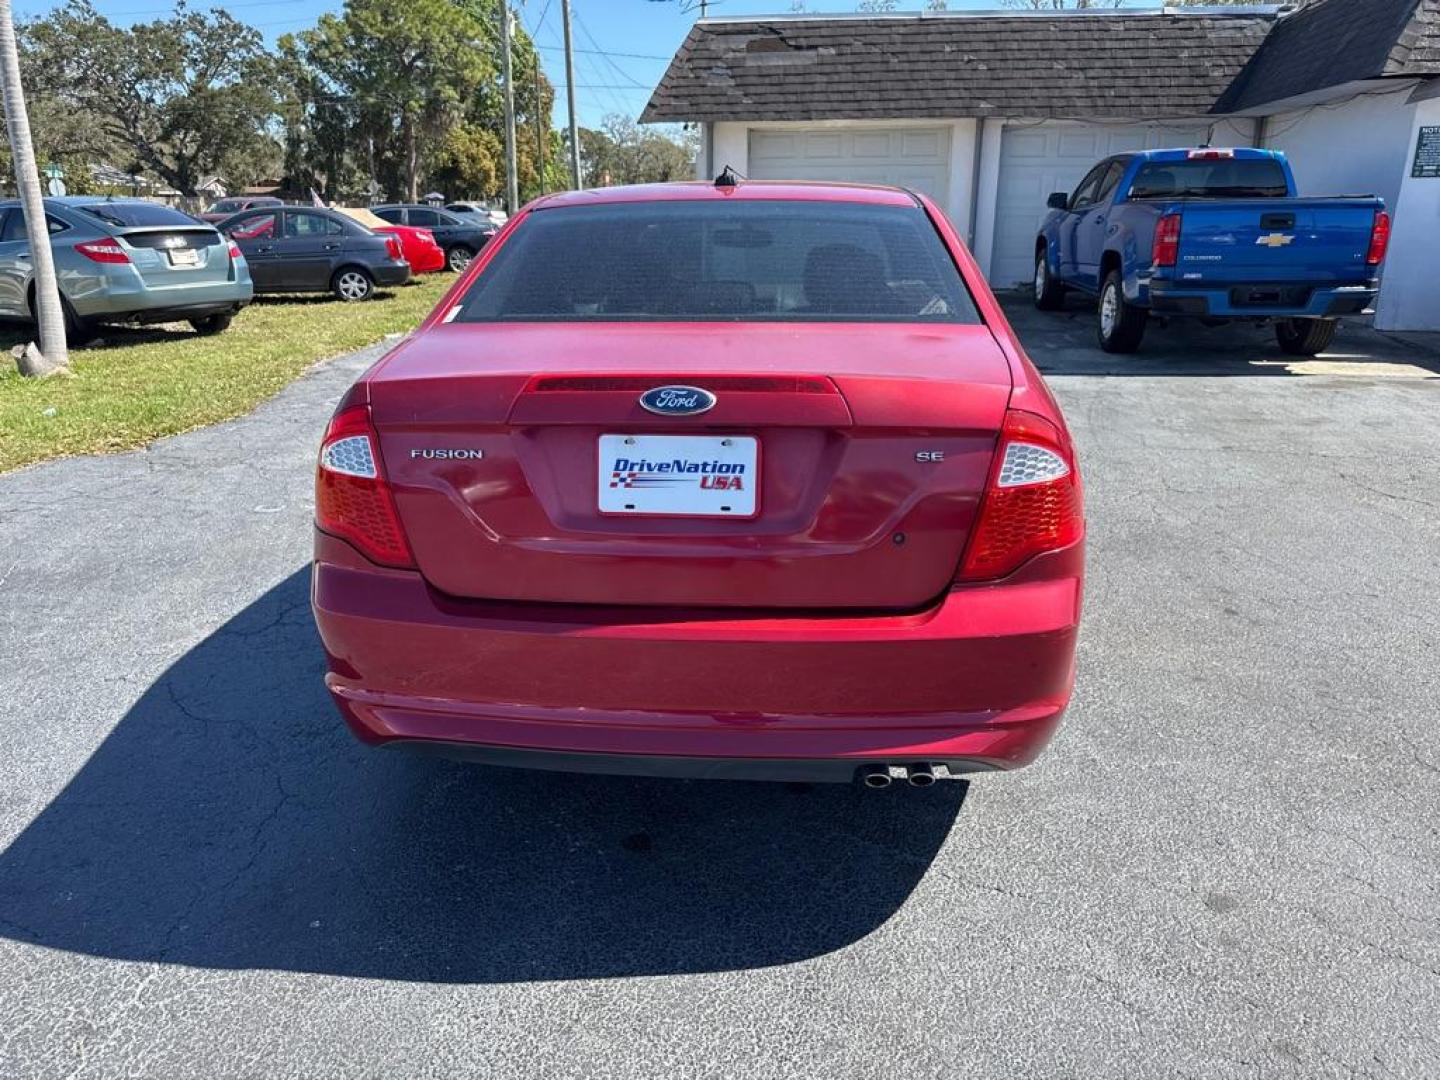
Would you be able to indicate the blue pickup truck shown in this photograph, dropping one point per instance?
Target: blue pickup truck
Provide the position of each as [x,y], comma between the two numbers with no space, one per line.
[1214,233]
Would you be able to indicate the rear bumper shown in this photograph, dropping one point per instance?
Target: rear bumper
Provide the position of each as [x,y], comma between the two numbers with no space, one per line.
[120,293]
[979,681]
[391,273]
[1260,300]
[182,313]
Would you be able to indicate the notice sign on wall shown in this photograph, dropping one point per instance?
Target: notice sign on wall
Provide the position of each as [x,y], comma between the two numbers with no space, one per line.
[1427,153]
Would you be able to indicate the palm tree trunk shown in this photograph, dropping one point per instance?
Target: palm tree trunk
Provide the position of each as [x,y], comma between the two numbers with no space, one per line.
[53,352]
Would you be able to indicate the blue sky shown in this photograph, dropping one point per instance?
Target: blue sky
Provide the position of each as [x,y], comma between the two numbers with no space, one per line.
[622,46]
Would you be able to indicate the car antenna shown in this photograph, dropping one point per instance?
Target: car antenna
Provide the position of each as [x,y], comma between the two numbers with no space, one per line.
[728,177]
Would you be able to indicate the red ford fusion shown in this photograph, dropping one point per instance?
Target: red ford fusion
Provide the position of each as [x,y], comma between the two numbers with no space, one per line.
[733,480]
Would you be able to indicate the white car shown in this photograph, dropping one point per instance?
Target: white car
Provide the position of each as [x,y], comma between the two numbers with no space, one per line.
[479,211]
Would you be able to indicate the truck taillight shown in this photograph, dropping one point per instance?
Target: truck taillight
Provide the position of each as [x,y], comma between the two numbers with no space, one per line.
[103,251]
[1379,239]
[1167,240]
[352,496]
[1032,503]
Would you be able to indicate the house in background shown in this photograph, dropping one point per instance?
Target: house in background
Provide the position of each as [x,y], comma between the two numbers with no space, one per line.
[988,114]
[110,180]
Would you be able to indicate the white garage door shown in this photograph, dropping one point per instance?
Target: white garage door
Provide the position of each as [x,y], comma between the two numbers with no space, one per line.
[917,158]
[1041,158]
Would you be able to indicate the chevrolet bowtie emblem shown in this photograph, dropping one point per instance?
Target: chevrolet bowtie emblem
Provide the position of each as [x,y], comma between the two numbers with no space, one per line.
[1275,239]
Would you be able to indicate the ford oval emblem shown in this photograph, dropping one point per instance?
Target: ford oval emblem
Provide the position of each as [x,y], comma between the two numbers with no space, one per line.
[677,400]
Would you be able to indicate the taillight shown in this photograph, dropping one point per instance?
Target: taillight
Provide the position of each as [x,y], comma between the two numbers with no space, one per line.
[352,496]
[103,251]
[1379,239]
[1031,504]
[235,252]
[426,236]
[1167,240]
[392,247]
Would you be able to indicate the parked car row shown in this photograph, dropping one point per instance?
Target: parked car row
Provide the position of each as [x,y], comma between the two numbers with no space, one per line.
[1211,233]
[134,261]
[459,236]
[418,245]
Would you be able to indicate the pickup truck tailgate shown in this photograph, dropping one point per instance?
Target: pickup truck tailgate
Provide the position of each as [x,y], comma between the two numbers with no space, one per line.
[1276,240]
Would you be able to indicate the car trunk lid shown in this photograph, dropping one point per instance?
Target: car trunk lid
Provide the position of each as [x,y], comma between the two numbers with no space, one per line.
[872,445]
[177,256]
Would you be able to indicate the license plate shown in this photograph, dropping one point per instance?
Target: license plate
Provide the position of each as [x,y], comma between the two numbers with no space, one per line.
[679,475]
[185,257]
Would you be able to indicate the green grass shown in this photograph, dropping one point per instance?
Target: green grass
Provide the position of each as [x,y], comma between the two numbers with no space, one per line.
[141,383]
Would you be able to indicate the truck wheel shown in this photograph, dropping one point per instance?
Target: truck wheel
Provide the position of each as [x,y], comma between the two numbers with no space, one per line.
[1305,337]
[1049,293]
[1122,324]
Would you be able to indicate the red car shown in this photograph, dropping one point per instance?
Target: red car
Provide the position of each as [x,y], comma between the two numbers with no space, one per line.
[761,486]
[417,246]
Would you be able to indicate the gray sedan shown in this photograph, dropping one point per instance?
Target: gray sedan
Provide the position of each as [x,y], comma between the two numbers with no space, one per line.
[124,260]
[312,249]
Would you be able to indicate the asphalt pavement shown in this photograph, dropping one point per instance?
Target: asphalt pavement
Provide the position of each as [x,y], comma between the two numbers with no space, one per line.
[1226,865]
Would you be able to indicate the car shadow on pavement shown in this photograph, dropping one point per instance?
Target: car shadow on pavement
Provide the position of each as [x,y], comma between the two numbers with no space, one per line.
[228,821]
[312,299]
[106,337]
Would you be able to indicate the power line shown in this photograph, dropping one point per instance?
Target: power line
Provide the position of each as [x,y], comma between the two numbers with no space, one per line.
[596,74]
[600,52]
[603,54]
[539,25]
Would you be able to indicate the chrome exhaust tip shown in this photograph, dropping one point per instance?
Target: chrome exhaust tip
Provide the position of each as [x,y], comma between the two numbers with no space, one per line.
[921,775]
[876,777]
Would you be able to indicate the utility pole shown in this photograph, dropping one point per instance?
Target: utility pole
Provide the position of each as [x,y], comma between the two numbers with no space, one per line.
[539,127]
[570,97]
[374,187]
[54,353]
[512,192]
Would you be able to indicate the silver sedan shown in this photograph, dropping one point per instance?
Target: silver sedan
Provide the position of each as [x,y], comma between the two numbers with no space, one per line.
[125,260]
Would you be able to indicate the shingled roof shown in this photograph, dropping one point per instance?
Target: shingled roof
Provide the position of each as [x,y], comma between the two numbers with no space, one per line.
[1332,42]
[1144,65]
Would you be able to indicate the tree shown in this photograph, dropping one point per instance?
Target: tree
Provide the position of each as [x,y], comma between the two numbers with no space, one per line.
[72,138]
[407,71]
[471,160]
[53,355]
[622,152]
[183,97]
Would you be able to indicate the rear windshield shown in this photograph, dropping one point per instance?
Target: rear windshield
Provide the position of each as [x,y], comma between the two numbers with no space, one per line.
[137,214]
[730,261]
[1223,178]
